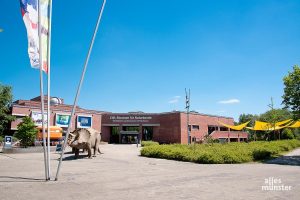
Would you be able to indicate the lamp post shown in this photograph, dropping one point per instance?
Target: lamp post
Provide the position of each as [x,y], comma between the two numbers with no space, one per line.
[187,107]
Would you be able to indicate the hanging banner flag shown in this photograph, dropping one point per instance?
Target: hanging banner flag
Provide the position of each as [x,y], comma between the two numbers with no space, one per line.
[29,9]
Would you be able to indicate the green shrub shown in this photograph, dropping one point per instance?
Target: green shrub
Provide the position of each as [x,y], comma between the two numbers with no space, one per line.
[26,132]
[287,134]
[15,139]
[220,153]
[149,143]
[260,154]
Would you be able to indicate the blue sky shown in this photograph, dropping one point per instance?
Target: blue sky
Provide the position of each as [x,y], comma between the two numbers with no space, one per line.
[232,54]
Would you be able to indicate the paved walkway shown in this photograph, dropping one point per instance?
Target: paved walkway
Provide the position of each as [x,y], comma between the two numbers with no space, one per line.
[120,173]
[292,158]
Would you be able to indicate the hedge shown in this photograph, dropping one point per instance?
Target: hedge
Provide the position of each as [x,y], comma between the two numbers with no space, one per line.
[220,153]
[149,143]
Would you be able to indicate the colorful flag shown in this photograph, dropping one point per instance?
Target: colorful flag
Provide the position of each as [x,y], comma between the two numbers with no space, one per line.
[29,9]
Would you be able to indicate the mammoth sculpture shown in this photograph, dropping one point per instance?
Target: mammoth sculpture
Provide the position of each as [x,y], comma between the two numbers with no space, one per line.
[86,139]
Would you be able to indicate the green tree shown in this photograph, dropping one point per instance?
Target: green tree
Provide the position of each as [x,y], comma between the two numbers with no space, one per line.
[5,102]
[291,97]
[26,132]
[272,116]
[276,115]
[287,134]
[249,117]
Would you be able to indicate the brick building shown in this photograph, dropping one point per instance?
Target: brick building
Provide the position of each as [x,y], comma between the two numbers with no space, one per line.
[169,127]
[59,116]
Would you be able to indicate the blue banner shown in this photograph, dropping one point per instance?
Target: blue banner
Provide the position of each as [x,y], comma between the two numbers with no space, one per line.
[84,121]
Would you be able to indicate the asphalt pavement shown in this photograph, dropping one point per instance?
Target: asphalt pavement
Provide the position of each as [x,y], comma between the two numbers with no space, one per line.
[120,173]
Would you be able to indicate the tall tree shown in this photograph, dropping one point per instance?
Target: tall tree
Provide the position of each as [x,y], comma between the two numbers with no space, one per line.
[5,102]
[275,115]
[247,117]
[291,97]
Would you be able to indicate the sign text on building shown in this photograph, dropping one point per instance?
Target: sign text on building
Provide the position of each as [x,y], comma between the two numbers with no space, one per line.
[130,118]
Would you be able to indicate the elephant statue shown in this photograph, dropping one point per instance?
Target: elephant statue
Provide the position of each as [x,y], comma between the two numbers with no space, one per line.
[86,139]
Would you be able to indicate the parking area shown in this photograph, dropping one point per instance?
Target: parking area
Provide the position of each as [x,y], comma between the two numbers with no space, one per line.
[120,173]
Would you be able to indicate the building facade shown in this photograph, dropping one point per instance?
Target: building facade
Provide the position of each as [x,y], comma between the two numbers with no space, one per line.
[59,116]
[168,127]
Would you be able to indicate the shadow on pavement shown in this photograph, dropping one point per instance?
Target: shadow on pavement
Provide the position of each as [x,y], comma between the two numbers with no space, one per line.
[285,160]
[20,179]
[72,157]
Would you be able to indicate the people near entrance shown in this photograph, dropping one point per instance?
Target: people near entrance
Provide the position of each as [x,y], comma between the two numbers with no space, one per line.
[129,139]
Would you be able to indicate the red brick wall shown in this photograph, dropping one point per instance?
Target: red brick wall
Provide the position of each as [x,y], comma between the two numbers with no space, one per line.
[105,133]
[230,134]
[203,121]
[169,129]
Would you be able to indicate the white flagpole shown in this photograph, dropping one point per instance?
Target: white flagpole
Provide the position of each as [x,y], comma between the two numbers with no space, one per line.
[79,87]
[48,82]
[41,90]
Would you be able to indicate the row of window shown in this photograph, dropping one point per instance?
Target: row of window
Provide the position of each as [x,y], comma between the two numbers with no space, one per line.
[194,127]
[210,128]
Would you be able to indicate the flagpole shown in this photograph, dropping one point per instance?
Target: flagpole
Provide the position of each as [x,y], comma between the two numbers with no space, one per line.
[79,87]
[41,90]
[48,82]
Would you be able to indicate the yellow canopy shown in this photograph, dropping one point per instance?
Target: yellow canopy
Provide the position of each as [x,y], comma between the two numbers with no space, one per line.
[264,126]
[259,126]
[295,125]
[237,128]
[282,122]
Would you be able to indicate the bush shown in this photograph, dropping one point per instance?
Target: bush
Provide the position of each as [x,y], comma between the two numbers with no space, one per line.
[149,143]
[261,154]
[26,132]
[220,153]
[209,140]
[287,134]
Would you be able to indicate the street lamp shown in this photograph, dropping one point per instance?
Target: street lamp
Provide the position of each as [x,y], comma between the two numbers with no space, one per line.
[187,107]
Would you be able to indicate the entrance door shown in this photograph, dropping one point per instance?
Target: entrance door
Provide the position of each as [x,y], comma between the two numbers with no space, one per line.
[129,137]
[114,135]
[147,133]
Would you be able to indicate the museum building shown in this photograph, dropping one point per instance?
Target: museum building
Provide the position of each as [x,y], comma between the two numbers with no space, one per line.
[166,127]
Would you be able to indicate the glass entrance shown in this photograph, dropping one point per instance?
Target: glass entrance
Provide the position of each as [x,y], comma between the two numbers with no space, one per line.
[147,133]
[114,135]
[129,137]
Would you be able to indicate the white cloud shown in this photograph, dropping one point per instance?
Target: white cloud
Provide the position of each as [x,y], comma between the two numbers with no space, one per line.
[174,100]
[229,101]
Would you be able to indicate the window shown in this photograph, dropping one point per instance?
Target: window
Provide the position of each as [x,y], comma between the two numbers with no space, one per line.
[195,127]
[222,128]
[212,129]
[19,118]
